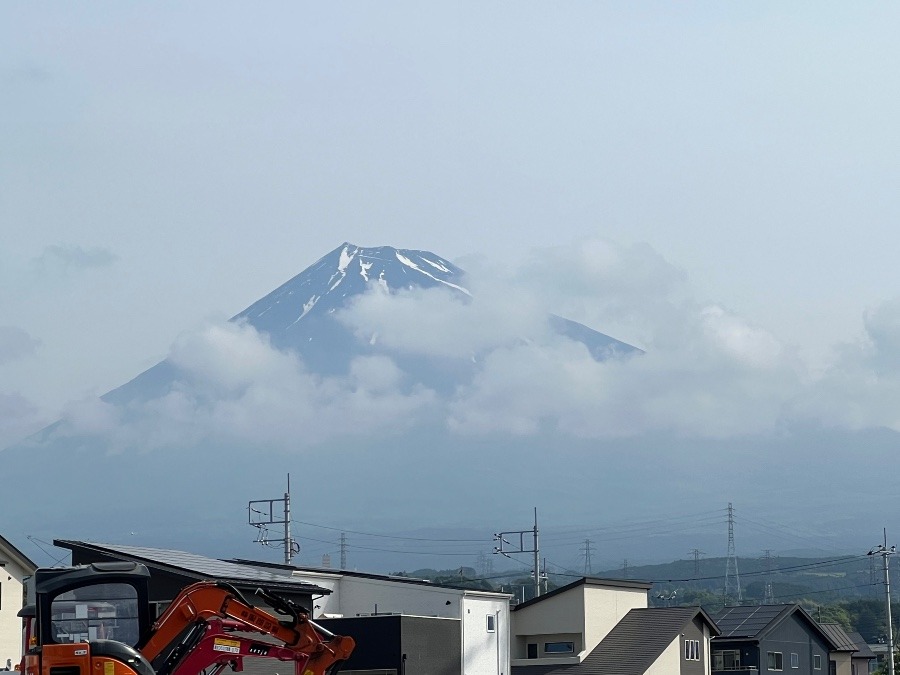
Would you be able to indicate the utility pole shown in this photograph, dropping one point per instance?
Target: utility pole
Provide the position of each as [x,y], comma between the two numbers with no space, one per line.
[696,552]
[343,551]
[537,579]
[587,557]
[507,547]
[884,552]
[262,512]
[732,577]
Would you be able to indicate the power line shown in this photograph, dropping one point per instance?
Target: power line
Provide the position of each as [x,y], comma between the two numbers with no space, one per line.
[391,550]
[391,536]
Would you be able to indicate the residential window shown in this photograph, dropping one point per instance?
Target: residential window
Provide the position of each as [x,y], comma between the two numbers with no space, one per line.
[817,662]
[531,650]
[795,660]
[774,660]
[491,626]
[559,647]
[727,659]
[692,650]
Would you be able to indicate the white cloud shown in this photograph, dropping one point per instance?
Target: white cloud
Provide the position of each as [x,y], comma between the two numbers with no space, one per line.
[16,343]
[235,388]
[707,372]
[63,258]
[19,417]
[438,322]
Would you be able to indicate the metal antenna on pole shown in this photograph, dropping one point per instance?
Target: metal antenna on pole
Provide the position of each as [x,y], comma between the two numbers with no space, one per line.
[506,547]
[262,513]
[884,552]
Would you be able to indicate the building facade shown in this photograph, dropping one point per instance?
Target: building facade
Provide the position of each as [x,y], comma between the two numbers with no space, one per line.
[15,569]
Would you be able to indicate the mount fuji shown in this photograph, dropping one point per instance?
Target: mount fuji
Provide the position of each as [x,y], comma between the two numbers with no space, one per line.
[302,316]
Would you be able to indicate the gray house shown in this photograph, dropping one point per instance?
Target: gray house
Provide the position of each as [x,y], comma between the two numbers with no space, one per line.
[770,639]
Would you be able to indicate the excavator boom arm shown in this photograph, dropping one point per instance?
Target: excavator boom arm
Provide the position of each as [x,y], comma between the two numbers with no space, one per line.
[205,603]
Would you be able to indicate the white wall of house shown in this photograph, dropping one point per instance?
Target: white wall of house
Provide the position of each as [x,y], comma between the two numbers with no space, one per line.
[669,662]
[484,652]
[586,613]
[11,592]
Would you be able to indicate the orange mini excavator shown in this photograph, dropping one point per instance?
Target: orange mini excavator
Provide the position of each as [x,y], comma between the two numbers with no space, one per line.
[95,620]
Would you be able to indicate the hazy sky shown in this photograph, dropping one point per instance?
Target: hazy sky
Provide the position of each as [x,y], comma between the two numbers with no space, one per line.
[162,165]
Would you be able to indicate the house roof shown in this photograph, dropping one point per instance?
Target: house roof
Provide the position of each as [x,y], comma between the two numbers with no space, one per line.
[754,622]
[632,646]
[197,566]
[863,651]
[8,550]
[842,641]
[587,581]
[288,569]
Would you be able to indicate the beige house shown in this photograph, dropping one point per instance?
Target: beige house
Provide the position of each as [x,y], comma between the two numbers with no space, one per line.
[604,627]
[15,567]
[563,626]
[848,656]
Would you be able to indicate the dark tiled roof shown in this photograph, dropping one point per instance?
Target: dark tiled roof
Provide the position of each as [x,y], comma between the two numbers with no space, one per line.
[588,581]
[198,566]
[632,645]
[753,622]
[750,621]
[836,633]
[863,651]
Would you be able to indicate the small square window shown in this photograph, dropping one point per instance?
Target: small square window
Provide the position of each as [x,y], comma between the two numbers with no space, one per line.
[490,623]
[775,660]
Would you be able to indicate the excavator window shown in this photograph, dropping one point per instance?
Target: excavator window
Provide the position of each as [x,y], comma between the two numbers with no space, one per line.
[96,612]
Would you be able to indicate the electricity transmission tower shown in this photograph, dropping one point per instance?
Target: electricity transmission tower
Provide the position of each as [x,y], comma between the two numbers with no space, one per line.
[732,590]
[696,552]
[586,552]
[343,551]
[769,598]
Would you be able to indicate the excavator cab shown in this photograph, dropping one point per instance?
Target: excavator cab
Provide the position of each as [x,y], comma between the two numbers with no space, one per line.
[95,620]
[88,620]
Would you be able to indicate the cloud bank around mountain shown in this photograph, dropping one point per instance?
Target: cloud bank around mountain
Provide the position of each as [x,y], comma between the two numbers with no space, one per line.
[707,372]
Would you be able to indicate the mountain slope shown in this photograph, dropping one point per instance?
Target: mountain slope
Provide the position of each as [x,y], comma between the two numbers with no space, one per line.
[300,315]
